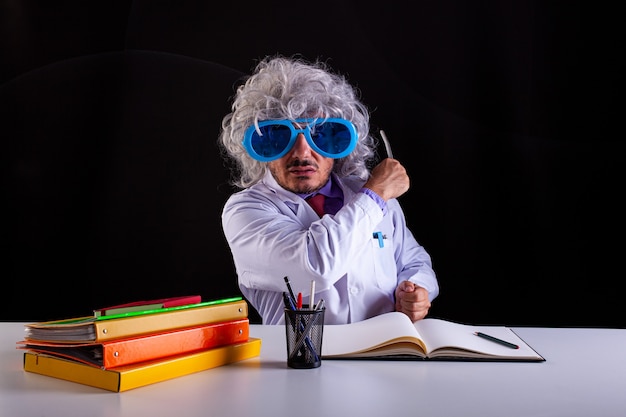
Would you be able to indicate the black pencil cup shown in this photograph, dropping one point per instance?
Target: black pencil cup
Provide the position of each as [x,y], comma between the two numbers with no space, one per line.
[304,329]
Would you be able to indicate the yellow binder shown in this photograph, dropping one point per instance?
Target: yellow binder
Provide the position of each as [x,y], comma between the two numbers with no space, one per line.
[91,329]
[133,376]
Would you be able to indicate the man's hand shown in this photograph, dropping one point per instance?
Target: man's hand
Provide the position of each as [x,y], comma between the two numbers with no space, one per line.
[412,300]
[388,179]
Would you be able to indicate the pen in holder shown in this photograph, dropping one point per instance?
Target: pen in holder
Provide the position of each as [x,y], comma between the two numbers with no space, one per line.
[304,329]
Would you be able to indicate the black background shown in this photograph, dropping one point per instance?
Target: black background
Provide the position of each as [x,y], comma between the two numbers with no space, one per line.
[507,114]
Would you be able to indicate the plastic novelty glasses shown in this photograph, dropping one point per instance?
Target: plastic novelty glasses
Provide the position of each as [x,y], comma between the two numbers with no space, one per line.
[272,139]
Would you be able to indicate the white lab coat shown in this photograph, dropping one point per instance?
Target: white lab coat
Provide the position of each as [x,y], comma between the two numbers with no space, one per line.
[273,233]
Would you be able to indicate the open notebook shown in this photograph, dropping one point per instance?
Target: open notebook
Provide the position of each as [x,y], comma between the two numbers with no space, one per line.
[394,336]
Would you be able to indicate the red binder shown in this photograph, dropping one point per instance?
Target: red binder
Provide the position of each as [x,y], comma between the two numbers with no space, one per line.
[148,305]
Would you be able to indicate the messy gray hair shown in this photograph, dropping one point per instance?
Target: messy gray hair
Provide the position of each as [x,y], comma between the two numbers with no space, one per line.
[291,88]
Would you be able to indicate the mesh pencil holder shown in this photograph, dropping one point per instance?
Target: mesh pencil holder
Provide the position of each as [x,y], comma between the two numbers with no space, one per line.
[304,330]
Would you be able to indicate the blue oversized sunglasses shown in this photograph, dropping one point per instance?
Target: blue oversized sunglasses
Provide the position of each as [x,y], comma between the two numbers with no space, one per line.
[272,139]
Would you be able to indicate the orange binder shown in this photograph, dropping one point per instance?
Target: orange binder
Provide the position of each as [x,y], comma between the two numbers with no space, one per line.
[90,329]
[136,349]
[129,377]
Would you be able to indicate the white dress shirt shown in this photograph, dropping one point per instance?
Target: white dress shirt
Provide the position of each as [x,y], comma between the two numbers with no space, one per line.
[273,233]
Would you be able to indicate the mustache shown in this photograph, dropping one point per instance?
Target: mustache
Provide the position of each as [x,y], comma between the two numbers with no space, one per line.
[302,163]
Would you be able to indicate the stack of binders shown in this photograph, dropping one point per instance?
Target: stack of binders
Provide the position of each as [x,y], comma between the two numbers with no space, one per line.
[147,342]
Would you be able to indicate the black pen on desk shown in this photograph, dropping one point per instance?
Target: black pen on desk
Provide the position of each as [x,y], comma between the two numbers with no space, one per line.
[496,340]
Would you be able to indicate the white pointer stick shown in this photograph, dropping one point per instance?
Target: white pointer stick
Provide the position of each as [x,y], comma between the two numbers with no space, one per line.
[387,145]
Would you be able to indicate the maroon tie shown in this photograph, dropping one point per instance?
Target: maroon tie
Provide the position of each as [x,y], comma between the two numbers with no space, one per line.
[317,202]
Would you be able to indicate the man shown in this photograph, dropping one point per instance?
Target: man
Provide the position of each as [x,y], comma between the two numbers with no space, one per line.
[297,130]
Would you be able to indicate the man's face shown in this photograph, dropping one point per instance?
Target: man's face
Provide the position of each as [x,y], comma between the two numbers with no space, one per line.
[301,170]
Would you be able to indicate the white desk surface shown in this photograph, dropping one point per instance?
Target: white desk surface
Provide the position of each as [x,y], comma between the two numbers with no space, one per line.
[584,375]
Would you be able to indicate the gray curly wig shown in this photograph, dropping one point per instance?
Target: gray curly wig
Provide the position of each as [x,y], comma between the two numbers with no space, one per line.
[291,88]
